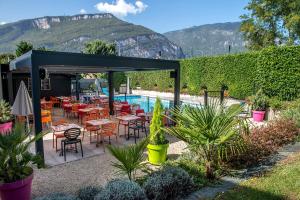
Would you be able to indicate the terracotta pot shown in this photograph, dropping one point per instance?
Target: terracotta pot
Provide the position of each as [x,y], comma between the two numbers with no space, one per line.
[5,127]
[18,190]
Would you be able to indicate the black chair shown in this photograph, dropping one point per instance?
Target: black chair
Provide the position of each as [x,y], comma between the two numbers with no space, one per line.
[71,136]
[137,126]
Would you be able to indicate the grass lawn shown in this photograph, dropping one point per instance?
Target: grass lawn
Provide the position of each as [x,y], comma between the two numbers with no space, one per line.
[282,183]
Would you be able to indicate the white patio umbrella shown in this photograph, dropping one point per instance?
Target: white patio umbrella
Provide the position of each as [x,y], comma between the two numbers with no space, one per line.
[23,104]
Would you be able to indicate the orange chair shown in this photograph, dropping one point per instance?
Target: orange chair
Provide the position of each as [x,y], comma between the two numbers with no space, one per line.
[74,110]
[90,128]
[94,113]
[108,130]
[104,114]
[57,135]
[46,119]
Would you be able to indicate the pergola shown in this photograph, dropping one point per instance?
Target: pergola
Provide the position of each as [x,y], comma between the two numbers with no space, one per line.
[76,63]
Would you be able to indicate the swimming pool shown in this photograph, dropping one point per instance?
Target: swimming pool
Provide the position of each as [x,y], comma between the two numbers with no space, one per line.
[146,103]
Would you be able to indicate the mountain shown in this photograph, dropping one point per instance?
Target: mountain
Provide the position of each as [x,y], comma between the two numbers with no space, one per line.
[210,39]
[69,33]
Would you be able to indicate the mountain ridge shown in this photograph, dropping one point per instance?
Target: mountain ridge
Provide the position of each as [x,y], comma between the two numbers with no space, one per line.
[69,33]
[209,39]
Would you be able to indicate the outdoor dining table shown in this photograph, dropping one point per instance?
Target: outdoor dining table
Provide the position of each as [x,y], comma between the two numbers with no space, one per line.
[58,131]
[129,119]
[100,123]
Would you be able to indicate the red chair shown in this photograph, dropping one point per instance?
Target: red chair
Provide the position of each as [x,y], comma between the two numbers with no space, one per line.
[124,102]
[126,109]
[139,111]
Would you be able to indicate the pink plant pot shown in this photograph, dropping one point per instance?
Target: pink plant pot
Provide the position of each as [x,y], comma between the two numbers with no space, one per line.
[18,190]
[5,128]
[258,116]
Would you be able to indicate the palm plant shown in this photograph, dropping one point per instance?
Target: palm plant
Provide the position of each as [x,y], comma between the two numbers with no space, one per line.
[210,131]
[5,111]
[15,159]
[130,158]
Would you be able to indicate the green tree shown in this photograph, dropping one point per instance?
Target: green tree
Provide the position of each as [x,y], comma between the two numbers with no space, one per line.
[157,135]
[101,48]
[23,47]
[210,132]
[6,57]
[271,23]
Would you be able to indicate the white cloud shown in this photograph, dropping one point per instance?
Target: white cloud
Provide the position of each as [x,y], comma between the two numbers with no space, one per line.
[121,8]
[2,23]
[82,11]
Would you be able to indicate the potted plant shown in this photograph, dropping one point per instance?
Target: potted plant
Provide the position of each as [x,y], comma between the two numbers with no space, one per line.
[259,106]
[16,163]
[5,117]
[158,144]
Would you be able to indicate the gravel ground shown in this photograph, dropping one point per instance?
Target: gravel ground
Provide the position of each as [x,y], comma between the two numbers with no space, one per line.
[70,177]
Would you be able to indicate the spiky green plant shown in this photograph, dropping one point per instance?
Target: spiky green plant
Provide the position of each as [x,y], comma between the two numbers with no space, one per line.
[157,134]
[210,131]
[15,159]
[5,111]
[130,158]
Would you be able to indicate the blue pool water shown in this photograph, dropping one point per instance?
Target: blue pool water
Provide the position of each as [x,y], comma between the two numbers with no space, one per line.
[146,103]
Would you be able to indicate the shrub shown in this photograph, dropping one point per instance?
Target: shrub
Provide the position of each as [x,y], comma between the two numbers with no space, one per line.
[292,114]
[121,190]
[192,167]
[168,183]
[88,193]
[57,196]
[210,131]
[259,102]
[278,71]
[263,141]
[157,134]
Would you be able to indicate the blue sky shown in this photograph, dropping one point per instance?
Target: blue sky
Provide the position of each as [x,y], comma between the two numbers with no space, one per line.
[158,15]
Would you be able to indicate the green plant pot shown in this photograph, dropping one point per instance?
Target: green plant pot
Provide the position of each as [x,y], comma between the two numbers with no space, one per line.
[157,154]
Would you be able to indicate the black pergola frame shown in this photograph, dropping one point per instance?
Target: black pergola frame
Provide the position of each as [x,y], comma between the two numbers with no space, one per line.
[74,63]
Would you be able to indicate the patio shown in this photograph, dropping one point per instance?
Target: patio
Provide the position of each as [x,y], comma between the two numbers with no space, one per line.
[37,62]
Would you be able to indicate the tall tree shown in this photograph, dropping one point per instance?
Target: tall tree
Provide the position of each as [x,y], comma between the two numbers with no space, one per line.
[271,22]
[101,48]
[6,58]
[23,47]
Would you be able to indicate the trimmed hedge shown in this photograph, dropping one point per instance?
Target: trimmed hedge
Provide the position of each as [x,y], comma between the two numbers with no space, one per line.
[275,69]
[279,72]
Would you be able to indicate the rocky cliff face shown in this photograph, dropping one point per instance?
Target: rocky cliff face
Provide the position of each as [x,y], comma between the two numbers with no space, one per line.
[69,33]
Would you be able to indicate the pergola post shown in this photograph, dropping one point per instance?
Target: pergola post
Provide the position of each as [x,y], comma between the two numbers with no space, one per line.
[10,88]
[36,102]
[77,87]
[177,87]
[111,92]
